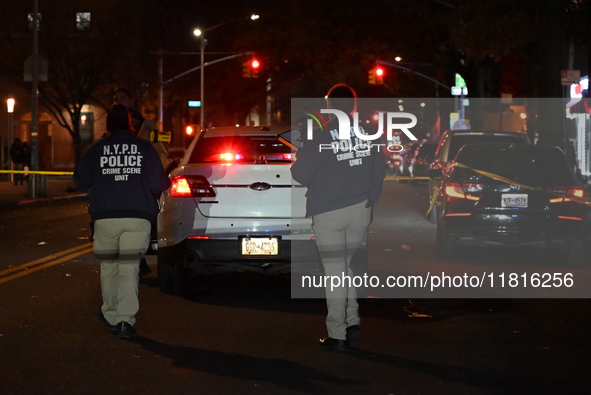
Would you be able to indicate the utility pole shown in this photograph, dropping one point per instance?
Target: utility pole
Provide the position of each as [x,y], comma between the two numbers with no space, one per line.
[34,100]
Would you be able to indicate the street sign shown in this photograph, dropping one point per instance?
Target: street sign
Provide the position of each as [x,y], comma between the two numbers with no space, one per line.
[459,90]
[569,77]
[460,81]
[41,69]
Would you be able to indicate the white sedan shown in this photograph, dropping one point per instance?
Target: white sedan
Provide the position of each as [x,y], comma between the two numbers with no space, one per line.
[233,205]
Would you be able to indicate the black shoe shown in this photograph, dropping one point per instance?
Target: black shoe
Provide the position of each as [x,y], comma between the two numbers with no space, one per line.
[144,268]
[353,335]
[126,331]
[110,328]
[331,344]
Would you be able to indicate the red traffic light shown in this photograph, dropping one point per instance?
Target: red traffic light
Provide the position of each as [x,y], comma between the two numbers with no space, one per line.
[379,75]
[250,68]
[376,76]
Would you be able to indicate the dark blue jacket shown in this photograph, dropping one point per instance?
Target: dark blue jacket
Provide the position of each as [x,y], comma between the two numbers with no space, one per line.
[338,177]
[124,175]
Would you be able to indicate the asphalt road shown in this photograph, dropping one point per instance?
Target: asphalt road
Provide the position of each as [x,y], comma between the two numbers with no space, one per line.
[243,333]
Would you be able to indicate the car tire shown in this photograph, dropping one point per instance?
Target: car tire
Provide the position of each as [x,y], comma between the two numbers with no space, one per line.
[172,275]
[444,247]
[578,251]
[432,216]
[392,171]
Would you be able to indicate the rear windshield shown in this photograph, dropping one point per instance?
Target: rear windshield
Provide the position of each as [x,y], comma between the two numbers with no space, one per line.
[460,140]
[243,149]
[511,163]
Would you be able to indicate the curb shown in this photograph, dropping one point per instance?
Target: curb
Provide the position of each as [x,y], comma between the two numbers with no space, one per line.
[39,200]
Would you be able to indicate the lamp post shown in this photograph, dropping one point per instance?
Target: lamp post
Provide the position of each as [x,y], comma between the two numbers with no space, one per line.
[10,108]
[202,43]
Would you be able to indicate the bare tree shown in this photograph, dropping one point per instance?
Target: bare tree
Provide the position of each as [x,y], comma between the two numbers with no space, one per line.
[88,47]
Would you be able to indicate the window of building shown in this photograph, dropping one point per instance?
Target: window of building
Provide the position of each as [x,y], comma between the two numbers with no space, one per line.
[82,21]
[30,17]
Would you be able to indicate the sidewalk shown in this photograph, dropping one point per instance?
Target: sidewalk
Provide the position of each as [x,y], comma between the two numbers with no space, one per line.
[59,187]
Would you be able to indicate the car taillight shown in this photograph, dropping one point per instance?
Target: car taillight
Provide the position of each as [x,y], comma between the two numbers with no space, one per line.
[463,191]
[578,192]
[191,186]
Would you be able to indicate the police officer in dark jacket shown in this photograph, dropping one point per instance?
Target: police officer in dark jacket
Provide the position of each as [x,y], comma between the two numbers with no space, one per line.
[123,96]
[124,176]
[344,179]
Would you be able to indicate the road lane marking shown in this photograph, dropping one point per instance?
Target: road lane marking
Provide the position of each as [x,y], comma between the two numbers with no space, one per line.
[54,259]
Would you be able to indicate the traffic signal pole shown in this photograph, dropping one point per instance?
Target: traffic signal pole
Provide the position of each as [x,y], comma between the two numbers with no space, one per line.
[398,66]
[162,83]
[413,71]
[33,191]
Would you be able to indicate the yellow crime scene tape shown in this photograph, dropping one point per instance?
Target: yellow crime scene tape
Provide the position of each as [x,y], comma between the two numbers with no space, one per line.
[389,178]
[69,173]
[581,200]
[52,173]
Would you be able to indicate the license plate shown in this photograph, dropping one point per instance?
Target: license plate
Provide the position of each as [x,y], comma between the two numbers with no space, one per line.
[260,246]
[518,200]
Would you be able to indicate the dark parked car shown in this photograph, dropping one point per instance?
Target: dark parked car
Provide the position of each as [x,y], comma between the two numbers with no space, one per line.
[450,143]
[537,202]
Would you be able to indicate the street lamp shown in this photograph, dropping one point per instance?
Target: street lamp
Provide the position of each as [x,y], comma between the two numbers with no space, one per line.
[202,43]
[10,108]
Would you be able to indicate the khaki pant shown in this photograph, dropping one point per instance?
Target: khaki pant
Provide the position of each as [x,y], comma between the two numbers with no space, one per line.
[339,234]
[120,243]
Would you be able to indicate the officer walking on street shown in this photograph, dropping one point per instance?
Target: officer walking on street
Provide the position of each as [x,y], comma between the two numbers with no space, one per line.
[341,193]
[124,97]
[124,176]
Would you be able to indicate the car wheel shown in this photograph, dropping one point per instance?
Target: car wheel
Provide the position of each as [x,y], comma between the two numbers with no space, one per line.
[172,275]
[432,216]
[578,251]
[392,171]
[444,247]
